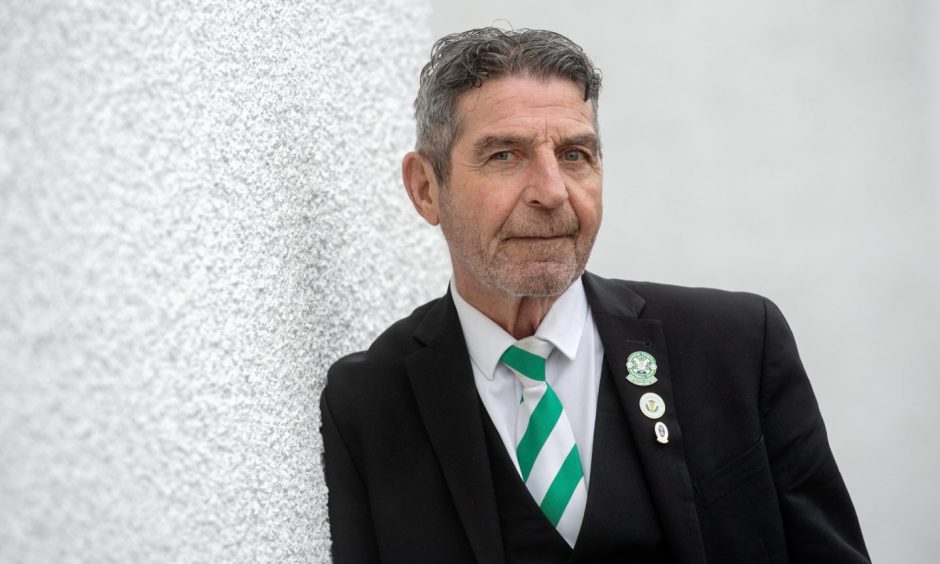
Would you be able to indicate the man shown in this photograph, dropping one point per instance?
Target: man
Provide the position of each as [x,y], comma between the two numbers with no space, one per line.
[537,413]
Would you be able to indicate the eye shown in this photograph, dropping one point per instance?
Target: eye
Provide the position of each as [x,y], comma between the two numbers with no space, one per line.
[573,155]
[502,156]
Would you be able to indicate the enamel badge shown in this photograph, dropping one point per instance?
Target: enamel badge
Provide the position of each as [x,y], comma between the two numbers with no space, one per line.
[641,369]
[662,432]
[652,405]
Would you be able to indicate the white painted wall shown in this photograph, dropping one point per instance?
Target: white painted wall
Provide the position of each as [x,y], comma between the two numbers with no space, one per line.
[200,209]
[782,148]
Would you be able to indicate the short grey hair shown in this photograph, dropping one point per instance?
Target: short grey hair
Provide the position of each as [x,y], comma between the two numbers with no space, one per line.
[462,61]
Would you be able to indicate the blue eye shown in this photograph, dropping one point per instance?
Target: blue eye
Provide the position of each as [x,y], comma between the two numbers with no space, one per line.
[573,155]
[501,156]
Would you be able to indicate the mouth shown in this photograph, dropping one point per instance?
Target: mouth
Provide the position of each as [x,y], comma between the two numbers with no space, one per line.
[540,237]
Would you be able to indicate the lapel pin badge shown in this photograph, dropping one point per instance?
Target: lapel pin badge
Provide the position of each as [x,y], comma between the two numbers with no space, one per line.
[652,405]
[641,368]
[662,432]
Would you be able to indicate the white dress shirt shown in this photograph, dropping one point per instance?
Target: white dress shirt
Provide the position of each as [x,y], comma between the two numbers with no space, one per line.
[573,369]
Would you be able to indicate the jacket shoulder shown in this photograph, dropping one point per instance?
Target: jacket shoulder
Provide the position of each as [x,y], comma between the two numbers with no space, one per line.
[703,313]
[655,300]
[706,301]
[382,360]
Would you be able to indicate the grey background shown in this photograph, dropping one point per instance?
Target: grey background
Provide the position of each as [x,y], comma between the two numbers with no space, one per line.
[790,149]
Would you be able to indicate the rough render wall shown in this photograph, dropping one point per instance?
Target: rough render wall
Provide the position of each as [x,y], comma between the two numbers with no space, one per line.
[199,211]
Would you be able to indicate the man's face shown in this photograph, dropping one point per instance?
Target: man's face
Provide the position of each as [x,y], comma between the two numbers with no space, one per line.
[522,205]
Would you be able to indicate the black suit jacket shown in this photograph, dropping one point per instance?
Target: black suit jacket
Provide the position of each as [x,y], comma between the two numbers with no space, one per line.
[747,475]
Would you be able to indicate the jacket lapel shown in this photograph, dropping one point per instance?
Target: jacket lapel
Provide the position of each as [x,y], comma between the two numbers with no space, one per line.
[442,381]
[616,308]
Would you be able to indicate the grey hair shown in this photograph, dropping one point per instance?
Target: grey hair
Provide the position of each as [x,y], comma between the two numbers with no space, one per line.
[462,61]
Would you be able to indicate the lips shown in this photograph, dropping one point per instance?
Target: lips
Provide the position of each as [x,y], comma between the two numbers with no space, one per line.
[541,234]
[536,238]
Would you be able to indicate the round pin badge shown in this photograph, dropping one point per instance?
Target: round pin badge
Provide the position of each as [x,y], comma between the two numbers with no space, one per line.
[652,405]
[641,368]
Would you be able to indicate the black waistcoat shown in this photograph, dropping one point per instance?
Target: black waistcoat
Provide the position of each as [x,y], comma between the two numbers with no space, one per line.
[620,523]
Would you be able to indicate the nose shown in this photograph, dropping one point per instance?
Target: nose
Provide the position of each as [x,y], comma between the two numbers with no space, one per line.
[546,184]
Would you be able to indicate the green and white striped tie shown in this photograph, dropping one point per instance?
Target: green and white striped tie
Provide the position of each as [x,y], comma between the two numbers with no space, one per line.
[548,456]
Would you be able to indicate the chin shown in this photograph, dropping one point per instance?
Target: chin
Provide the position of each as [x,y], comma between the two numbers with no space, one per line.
[540,280]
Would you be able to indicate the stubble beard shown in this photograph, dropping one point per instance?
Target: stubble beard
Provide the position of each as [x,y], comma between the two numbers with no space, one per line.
[548,269]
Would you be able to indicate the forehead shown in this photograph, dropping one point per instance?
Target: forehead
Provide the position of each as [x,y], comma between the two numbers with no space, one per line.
[555,106]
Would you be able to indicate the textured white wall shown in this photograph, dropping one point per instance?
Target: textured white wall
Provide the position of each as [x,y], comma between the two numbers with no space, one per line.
[781,147]
[200,209]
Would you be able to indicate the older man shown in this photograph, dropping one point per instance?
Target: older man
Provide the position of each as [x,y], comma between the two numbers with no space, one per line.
[538,413]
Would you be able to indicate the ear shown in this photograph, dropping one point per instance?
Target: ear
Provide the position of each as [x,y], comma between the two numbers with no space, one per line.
[422,186]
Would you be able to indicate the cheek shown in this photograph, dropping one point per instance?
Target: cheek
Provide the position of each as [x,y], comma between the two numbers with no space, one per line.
[493,213]
[588,207]
[485,207]
[477,219]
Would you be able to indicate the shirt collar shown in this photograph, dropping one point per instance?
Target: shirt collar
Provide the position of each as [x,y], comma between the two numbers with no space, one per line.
[486,341]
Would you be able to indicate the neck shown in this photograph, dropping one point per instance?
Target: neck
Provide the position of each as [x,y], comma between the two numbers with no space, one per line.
[519,316]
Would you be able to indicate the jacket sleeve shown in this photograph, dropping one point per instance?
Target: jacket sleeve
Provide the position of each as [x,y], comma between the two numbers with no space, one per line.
[819,519]
[351,525]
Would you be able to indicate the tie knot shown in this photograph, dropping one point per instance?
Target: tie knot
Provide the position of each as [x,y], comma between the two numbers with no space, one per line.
[527,359]
[536,346]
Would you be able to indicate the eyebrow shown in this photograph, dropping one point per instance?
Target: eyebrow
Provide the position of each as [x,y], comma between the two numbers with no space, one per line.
[589,140]
[490,142]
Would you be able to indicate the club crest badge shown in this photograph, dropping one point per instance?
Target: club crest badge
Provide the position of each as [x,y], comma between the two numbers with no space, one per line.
[641,369]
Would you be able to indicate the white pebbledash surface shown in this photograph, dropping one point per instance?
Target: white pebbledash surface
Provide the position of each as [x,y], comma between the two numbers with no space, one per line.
[200,210]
